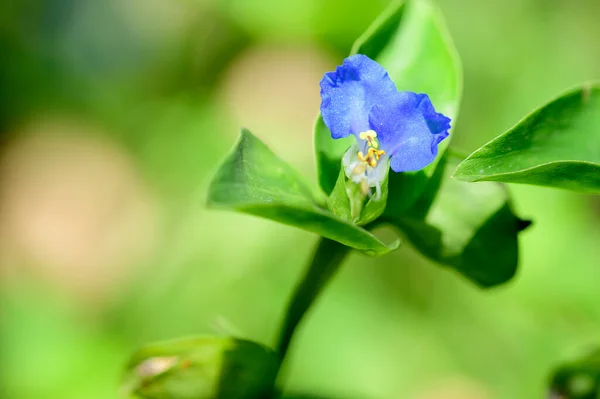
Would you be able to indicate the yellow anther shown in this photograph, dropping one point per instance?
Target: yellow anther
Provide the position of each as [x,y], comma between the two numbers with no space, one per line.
[373,155]
[370,136]
[376,153]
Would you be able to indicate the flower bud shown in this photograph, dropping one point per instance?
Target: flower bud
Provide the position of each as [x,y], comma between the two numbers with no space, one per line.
[201,367]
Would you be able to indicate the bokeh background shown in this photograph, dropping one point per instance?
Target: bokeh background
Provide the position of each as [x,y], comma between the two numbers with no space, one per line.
[113,114]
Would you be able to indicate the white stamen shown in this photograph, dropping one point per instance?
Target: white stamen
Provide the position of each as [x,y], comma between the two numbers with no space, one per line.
[362,173]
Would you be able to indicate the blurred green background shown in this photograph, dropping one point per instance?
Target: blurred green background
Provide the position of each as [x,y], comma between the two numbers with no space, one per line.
[113,114]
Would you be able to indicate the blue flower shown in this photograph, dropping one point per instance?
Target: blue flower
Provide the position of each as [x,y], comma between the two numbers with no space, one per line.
[399,129]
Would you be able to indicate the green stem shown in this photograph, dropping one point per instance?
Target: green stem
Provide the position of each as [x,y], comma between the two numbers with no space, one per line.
[326,260]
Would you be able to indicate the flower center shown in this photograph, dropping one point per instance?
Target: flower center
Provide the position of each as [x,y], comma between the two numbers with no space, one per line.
[373,153]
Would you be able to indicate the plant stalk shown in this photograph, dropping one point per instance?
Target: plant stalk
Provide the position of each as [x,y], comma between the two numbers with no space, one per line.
[327,258]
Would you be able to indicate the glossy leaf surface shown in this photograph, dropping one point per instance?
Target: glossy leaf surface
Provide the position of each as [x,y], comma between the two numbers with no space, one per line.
[468,227]
[557,145]
[255,181]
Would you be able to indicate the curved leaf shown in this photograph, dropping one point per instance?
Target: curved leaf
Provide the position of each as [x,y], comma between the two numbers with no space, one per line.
[468,227]
[255,181]
[558,145]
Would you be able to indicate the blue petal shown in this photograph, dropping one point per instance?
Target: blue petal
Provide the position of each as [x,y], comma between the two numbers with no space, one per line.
[437,123]
[409,130]
[349,93]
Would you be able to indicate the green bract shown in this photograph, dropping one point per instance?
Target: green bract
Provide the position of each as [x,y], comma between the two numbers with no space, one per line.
[578,379]
[349,203]
[558,145]
[201,368]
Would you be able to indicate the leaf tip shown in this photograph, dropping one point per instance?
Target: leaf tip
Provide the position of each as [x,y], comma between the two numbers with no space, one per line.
[388,248]
[395,244]
[464,172]
[523,224]
[244,131]
[245,135]
[459,175]
[586,92]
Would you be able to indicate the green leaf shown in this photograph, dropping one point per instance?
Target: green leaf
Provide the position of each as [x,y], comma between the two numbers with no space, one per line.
[202,368]
[255,181]
[578,379]
[411,42]
[468,227]
[558,145]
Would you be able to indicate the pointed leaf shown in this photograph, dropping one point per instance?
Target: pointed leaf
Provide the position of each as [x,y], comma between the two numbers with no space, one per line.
[255,181]
[468,227]
[557,145]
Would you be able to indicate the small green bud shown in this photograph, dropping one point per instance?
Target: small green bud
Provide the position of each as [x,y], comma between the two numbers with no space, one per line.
[579,379]
[201,368]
